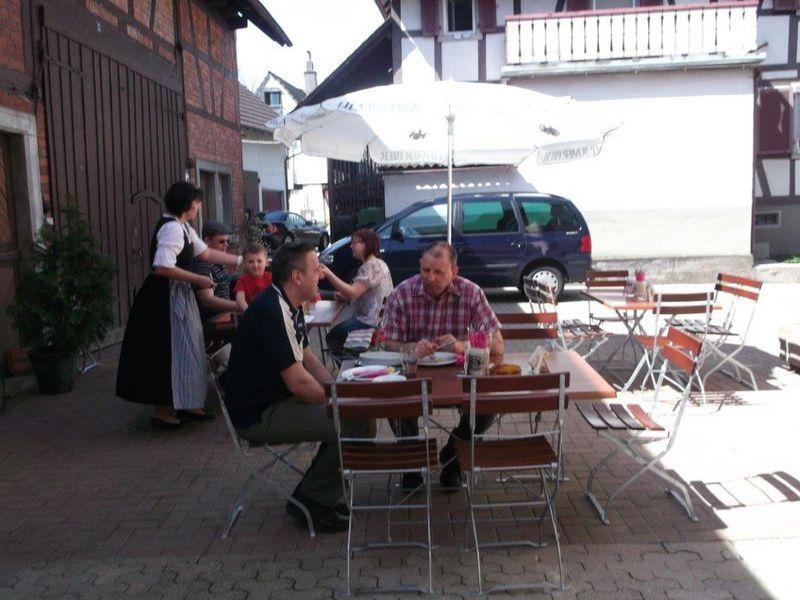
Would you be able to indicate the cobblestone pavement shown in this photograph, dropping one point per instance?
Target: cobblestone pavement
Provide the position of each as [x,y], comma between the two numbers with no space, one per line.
[95,504]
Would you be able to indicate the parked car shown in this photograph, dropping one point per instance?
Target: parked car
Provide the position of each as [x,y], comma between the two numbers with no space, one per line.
[281,227]
[499,238]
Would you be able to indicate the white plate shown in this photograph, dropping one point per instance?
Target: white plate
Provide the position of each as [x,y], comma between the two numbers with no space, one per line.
[438,359]
[367,373]
[381,358]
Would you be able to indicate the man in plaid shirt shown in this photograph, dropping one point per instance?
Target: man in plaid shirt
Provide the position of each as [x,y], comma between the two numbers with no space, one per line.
[434,310]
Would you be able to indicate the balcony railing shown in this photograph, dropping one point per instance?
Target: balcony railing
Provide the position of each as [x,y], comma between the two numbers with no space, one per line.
[668,32]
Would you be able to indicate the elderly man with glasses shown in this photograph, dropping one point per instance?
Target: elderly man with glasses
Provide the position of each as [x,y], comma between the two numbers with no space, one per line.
[217,301]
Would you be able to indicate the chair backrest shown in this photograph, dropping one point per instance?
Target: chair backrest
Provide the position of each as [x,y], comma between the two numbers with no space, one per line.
[217,366]
[738,292]
[682,350]
[606,279]
[371,400]
[670,305]
[543,326]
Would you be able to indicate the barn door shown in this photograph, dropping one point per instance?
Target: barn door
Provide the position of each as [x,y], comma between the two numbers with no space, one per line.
[116,142]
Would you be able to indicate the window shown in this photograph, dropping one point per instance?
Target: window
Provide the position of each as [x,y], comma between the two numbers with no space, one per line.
[774,120]
[768,219]
[273,98]
[215,181]
[488,216]
[428,221]
[459,16]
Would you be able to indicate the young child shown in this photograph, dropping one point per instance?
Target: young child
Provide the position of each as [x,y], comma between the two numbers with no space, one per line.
[255,279]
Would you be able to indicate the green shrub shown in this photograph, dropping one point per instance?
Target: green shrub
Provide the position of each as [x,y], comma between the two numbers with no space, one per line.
[64,301]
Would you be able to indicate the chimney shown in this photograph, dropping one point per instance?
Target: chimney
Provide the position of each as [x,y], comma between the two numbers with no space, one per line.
[311,75]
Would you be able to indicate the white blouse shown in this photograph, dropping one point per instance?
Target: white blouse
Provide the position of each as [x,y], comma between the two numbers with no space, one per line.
[169,243]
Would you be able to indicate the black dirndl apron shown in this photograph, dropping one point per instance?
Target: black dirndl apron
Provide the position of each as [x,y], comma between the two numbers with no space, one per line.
[162,360]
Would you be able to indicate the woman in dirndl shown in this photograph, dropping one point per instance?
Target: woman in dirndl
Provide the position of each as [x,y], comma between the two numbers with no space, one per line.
[163,361]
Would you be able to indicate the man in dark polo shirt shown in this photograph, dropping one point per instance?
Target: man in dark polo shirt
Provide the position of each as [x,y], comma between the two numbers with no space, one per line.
[274,390]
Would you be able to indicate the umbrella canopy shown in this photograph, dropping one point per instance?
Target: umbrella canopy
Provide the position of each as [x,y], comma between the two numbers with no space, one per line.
[404,125]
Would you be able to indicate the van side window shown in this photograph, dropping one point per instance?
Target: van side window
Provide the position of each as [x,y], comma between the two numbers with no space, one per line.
[488,216]
[543,216]
[428,221]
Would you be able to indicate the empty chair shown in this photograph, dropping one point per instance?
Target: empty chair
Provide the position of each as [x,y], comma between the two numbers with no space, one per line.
[516,456]
[252,456]
[630,428]
[533,326]
[389,456]
[739,297]
[574,332]
[670,307]
[605,281]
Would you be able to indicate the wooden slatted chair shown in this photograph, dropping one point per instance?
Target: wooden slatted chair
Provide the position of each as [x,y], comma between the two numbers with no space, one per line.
[605,281]
[740,295]
[538,326]
[391,456]
[516,456]
[574,332]
[252,456]
[630,428]
[669,307]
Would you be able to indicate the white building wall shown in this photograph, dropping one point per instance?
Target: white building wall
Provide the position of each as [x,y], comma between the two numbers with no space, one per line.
[266,158]
[774,32]
[418,60]
[676,179]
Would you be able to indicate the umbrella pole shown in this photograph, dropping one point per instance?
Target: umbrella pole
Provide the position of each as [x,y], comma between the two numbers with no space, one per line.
[450,121]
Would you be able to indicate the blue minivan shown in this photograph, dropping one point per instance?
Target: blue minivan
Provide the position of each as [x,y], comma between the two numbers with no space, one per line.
[500,239]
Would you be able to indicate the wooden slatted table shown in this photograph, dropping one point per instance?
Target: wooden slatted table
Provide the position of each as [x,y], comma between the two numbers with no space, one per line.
[585,383]
[322,316]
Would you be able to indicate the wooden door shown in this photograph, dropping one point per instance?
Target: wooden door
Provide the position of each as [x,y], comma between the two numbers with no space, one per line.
[116,142]
[9,249]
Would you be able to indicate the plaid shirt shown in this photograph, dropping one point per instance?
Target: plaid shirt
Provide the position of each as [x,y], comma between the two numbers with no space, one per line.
[411,313]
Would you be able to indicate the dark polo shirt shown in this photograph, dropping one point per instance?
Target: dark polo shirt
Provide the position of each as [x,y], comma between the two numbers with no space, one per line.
[270,338]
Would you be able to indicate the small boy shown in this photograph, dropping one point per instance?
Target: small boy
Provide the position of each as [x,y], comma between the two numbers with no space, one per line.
[255,279]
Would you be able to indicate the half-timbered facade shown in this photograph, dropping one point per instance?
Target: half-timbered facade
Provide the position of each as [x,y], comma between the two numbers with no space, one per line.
[108,102]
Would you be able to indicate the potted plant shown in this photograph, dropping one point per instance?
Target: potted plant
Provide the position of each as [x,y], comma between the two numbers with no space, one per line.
[64,302]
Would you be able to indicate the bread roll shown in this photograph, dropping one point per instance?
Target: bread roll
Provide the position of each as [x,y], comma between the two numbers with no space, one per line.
[505,369]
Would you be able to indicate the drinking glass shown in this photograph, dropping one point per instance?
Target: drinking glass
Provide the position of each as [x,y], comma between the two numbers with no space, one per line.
[408,357]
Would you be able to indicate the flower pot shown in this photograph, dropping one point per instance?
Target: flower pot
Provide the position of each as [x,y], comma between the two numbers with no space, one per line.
[54,370]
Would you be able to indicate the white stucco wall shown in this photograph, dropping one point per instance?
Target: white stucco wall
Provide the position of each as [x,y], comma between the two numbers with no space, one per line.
[267,160]
[418,60]
[773,31]
[676,178]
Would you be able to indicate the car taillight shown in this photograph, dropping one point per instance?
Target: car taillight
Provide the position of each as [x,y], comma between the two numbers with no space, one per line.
[586,244]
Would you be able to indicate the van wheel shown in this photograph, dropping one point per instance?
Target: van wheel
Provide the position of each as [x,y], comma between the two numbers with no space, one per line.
[547,275]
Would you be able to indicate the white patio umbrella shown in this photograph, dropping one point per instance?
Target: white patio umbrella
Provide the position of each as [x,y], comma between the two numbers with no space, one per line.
[445,123]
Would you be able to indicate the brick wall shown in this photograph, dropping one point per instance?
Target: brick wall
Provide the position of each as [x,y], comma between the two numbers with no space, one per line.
[210,84]
[11,50]
[12,57]
[210,140]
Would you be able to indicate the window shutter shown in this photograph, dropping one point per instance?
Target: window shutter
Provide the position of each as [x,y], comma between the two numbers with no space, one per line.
[650,2]
[430,17]
[579,5]
[774,121]
[784,5]
[487,15]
